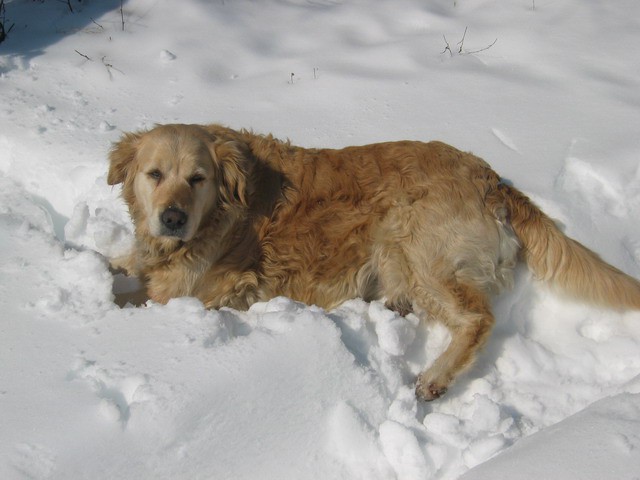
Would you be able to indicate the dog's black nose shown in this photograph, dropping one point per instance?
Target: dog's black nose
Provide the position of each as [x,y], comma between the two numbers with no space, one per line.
[173,218]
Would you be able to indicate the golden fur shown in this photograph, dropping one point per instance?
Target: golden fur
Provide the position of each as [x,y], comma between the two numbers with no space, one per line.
[233,218]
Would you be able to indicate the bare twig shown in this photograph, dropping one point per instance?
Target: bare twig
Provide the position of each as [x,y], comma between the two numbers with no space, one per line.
[483,49]
[110,67]
[96,23]
[83,55]
[461,42]
[447,47]
[4,31]
[122,15]
[461,50]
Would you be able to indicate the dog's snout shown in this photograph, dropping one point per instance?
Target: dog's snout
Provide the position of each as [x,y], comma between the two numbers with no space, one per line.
[173,218]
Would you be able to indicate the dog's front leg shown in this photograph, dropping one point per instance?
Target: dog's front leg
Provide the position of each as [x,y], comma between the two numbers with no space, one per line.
[127,288]
[125,264]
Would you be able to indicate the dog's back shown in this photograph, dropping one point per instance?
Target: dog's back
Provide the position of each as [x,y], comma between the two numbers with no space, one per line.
[345,212]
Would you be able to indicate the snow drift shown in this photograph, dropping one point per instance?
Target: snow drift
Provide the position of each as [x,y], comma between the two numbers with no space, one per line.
[284,390]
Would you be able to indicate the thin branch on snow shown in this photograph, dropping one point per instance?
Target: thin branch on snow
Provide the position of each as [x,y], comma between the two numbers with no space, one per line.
[461,42]
[447,47]
[110,67]
[461,50]
[68,3]
[96,23]
[122,15]
[83,55]
[3,30]
[483,49]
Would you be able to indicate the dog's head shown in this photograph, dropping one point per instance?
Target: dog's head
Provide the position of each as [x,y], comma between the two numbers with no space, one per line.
[176,177]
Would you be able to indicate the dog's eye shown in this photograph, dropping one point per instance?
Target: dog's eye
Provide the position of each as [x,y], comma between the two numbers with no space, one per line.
[195,179]
[155,175]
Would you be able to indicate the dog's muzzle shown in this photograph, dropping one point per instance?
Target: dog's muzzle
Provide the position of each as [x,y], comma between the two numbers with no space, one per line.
[173,221]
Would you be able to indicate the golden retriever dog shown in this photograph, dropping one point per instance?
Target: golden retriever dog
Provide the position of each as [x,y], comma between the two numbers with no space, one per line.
[233,218]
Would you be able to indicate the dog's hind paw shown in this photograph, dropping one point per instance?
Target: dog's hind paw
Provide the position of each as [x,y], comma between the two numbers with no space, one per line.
[429,391]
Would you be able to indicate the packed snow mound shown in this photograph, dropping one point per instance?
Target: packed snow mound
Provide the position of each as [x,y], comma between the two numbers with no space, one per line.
[286,390]
[599,442]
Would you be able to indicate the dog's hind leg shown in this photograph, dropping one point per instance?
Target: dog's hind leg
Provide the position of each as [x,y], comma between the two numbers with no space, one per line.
[394,276]
[466,312]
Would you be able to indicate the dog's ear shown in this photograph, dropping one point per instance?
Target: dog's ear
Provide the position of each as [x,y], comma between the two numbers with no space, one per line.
[234,163]
[121,157]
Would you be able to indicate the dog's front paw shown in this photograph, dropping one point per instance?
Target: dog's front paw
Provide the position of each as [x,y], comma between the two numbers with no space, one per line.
[125,264]
[402,307]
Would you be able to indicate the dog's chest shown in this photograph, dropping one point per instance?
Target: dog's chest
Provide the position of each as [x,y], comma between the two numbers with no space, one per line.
[172,281]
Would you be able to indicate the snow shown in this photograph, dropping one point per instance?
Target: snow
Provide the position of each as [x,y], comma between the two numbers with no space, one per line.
[284,390]
[574,447]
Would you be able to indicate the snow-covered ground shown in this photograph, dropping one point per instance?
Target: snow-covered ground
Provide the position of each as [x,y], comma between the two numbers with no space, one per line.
[288,391]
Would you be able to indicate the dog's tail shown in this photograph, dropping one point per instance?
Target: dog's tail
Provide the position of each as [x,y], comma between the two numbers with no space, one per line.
[565,263]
